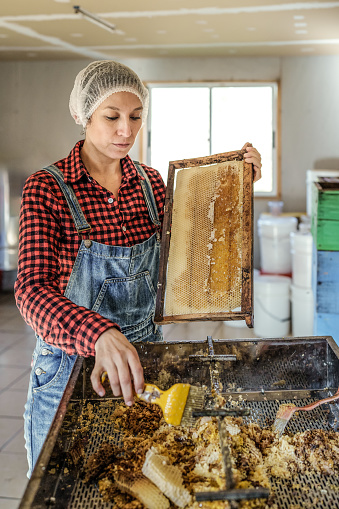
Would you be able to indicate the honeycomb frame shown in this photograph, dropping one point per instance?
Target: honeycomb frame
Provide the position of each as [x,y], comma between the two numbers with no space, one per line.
[233,301]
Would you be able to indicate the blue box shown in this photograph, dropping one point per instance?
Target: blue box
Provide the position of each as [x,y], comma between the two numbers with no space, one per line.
[325,281]
[327,324]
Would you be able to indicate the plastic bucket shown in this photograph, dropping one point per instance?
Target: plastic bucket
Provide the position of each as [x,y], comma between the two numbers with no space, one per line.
[236,323]
[272,310]
[301,253]
[302,311]
[274,241]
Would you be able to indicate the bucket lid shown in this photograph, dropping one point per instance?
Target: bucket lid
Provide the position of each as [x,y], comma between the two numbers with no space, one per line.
[277,226]
[301,240]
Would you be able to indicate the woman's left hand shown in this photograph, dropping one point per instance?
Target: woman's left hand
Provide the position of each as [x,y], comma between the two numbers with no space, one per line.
[253,156]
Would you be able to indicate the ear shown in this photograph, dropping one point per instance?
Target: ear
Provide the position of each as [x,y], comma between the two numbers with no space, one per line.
[77,119]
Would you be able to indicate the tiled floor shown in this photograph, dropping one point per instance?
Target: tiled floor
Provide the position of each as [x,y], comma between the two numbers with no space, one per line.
[16,347]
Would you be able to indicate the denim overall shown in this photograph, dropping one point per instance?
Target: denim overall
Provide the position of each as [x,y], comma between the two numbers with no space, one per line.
[117,282]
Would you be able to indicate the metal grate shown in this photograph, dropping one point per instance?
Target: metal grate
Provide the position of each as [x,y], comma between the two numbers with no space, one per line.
[87,496]
[281,372]
[305,491]
[265,374]
[264,413]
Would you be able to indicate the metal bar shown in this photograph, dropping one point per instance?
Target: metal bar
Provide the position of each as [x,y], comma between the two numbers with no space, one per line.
[102,23]
[220,358]
[221,412]
[232,494]
[214,373]
[226,456]
[210,345]
[272,395]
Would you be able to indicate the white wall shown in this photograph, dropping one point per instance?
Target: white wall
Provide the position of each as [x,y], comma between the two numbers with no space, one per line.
[37,129]
[36,126]
[309,122]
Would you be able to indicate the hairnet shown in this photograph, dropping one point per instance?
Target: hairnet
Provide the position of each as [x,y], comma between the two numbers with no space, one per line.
[98,81]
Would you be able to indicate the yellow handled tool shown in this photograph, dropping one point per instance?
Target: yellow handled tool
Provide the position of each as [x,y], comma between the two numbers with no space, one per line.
[177,403]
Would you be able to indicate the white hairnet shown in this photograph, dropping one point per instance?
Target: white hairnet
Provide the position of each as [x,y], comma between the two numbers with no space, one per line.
[98,81]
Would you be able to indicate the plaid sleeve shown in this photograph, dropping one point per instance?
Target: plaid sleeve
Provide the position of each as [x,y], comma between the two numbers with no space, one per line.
[55,318]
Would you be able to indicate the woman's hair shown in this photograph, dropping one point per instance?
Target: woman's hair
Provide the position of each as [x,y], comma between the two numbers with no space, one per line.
[98,81]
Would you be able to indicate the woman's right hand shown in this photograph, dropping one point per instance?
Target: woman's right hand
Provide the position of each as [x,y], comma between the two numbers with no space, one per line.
[115,355]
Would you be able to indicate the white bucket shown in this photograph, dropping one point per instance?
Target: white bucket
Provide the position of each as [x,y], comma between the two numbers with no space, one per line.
[301,252]
[313,176]
[272,306]
[274,237]
[236,323]
[302,311]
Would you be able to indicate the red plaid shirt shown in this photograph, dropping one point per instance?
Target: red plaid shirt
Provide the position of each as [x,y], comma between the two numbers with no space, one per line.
[49,244]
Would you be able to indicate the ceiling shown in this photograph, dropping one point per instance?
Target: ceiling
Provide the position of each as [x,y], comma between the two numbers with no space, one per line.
[51,29]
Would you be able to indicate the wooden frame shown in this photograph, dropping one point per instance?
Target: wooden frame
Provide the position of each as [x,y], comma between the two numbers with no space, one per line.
[246,312]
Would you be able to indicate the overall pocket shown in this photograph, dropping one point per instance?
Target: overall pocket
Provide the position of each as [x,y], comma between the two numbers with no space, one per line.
[126,301]
[48,366]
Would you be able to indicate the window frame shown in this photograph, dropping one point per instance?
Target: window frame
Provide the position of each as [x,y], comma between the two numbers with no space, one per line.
[276,169]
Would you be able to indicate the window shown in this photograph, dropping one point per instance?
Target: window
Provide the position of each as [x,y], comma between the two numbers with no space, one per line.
[193,120]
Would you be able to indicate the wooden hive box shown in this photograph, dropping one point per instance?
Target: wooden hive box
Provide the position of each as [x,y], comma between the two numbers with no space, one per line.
[325,282]
[206,255]
[325,214]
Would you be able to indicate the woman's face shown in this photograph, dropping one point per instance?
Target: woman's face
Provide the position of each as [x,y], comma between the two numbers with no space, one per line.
[113,127]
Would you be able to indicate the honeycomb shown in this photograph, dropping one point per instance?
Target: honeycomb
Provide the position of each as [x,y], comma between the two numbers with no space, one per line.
[138,486]
[205,255]
[167,477]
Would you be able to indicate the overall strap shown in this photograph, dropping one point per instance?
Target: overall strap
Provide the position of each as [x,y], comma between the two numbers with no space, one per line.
[148,194]
[78,217]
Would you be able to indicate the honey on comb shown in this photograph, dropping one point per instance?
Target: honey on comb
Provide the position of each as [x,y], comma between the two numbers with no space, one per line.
[204,263]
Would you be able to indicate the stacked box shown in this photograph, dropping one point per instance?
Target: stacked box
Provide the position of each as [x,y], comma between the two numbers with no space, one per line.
[325,276]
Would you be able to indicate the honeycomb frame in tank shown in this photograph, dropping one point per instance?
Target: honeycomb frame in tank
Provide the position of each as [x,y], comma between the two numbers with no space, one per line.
[206,260]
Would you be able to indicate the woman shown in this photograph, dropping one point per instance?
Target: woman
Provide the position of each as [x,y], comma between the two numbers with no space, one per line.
[89,249]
